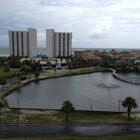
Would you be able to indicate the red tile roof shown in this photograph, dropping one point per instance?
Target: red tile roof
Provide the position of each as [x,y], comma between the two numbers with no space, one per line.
[124,52]
[138,58]
[113,52]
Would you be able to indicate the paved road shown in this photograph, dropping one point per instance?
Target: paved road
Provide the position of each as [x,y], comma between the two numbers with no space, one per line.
[62,130]
[51,72]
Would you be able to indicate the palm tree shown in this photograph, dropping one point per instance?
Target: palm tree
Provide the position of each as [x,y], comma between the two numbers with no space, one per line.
[7,68]
[18,76]
[56,61]
[61,61]
[10,77]
[130,103]
[3,82]
[1,105]
[67,107]
[54,70]
[70,66]
[36,74]
[29,78]
[43,58]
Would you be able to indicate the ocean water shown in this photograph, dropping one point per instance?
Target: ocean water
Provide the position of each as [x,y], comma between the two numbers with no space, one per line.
[4,50]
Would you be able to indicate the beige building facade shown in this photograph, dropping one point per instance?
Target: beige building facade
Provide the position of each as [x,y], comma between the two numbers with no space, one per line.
[58,43]
[23,43]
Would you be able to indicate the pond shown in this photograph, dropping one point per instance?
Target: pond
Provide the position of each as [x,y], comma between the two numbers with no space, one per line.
[101,90]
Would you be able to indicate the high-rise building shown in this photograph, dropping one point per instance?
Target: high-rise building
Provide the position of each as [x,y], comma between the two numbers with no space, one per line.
[58,43]
[23,43]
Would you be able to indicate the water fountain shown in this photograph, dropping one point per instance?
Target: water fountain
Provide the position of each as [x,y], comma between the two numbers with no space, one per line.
[108,84]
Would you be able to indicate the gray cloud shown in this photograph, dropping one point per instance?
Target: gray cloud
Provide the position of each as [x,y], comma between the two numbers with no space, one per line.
[98,34]
[5,22]
[21,25]
[100,20]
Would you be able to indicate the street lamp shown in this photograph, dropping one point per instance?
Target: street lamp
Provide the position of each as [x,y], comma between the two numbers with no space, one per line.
[17,109]
[119,109]
[91,106]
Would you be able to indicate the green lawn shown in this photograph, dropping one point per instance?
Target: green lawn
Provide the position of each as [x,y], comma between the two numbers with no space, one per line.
[2,73]
[86,117]
[6,74]
[135,137]
[40,72]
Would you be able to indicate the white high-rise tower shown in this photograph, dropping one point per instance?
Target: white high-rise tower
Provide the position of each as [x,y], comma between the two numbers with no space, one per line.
[23,43]
[58,43]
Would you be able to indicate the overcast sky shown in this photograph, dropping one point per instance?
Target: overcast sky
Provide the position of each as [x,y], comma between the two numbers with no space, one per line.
[94,23]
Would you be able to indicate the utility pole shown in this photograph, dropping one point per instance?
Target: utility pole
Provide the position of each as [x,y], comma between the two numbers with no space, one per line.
[119,109]
[17,110]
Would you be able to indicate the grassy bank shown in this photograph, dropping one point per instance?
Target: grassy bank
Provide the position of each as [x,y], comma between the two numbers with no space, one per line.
[135,137]
[9,116]
[6,74]
[13,72]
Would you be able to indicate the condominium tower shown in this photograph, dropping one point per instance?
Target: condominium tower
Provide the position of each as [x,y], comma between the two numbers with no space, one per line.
[58,43]
[23,43]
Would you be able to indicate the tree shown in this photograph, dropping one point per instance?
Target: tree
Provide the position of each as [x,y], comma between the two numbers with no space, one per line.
[29,78]
[3,82]
[67,107]
[18,75]
[70,66]
[1,105]
[43,58]
[54,70]
[130,103]
[36,74]
[7,69]
[14,63]
[25,68]
[61,61]
[56,61]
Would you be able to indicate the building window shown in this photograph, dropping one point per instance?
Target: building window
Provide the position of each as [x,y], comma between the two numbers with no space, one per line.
[28,44]
[13,49]
[22,52]
[17,44]
[59,44]
[63,44]
[54,45]
[67,44]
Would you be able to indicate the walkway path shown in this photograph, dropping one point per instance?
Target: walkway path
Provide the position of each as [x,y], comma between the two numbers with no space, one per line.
[123,78]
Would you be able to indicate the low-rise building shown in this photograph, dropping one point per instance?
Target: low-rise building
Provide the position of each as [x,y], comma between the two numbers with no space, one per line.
[96,52]
[137,60]
[124,53]
[78,53]
[87,51]
[136,53]
[137,63]
[114,54]
[104,53]
[125,63]
[85,55]
[94,57]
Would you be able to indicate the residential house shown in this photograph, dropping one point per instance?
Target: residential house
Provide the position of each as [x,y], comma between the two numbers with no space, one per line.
[78,53]
[103,53]
[114,54]
[125,63]
[96,52]
[94,57]
[136,53]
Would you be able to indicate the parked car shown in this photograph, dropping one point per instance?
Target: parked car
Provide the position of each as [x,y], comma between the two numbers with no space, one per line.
[23,78]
